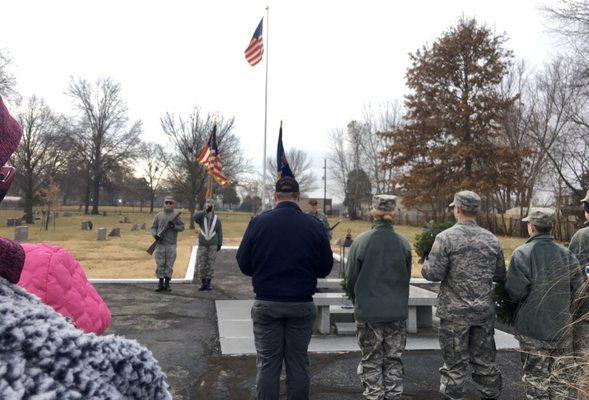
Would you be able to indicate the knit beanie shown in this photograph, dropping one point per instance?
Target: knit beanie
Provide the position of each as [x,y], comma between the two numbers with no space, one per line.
[12,260]
[10,133]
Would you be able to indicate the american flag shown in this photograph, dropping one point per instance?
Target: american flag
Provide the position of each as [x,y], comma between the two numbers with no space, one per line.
[255,50]
[211,159]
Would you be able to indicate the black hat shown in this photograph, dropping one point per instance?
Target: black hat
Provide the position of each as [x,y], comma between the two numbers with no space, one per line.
[287,184]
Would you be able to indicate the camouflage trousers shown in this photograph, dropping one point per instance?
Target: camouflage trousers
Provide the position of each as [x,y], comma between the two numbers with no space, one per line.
[381,368]
[548,370]
[581,347]
[206,256]
[165,256]
[464,344]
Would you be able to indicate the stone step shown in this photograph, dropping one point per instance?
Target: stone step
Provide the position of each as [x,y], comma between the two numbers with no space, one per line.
[341,314]
[345,328]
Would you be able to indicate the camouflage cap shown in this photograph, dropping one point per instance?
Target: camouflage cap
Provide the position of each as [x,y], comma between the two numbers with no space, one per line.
[169,198]
[466,200]
[210,202]
[586,199]
[384,202]
[542,218]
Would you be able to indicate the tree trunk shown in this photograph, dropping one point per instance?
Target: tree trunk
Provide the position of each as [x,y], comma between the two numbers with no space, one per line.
[151,201]
[87,199]
[96,194]
[29,203]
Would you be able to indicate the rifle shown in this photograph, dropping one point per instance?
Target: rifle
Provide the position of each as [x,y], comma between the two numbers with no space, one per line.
[161,234]
[336,224]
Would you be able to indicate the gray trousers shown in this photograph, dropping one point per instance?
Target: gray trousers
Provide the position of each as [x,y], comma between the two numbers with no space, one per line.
[282,332]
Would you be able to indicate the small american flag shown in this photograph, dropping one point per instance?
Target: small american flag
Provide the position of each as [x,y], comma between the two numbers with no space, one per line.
[211,159]
[255,50]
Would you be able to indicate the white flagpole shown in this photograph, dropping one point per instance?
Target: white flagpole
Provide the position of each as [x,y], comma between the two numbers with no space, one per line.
[267,45]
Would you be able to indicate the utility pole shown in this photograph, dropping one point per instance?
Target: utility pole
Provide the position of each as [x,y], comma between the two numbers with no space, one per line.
[324,184]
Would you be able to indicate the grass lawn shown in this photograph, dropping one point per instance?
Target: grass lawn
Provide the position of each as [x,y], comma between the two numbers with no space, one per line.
[125,257]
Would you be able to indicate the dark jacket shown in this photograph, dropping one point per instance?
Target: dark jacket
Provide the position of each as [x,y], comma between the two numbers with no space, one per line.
[205,222]
[284,251]
[543,277]
[378,273]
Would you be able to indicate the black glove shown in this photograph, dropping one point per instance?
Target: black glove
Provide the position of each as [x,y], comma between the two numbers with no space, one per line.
[218,248]
[171,224]
[209,208]
[157,237]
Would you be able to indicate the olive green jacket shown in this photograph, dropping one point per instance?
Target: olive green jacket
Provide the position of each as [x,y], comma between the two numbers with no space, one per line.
[378,271]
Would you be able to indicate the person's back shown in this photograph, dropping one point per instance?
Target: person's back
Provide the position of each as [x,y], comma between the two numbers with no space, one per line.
[284,251]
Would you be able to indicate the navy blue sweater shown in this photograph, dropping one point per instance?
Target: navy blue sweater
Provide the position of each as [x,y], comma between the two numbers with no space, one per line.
[285,251]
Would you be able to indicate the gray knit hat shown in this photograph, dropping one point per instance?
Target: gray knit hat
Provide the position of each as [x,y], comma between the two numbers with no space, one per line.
[466,200]
[541,218]
[384,202]
[169,198]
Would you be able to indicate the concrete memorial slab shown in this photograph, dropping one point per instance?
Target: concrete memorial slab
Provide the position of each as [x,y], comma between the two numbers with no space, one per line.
[101,234]
[115,232]
[237,338]
[135,228]
[21,233]
[143,227]
[86,225]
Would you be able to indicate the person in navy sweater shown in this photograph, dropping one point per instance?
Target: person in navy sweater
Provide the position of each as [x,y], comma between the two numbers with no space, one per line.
[284,251]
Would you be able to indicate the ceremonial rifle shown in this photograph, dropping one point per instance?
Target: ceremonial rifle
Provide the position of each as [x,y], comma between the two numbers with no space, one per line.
[161,234]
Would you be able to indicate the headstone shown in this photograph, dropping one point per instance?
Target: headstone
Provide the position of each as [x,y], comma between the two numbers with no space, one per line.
[21,234]
[143,227]
[86,225]
[115,232]
[134,228]
[101,234]
[104,213]
[13,222]
[67,214]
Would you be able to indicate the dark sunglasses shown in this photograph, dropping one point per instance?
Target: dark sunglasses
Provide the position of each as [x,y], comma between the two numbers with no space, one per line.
[6,177]
[168,202]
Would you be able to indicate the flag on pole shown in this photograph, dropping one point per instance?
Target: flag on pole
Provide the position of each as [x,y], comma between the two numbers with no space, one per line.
[211,159]
[282,167]
[255,50]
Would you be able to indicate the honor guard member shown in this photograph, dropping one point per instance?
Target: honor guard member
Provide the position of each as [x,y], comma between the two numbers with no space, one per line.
[579,245]
[545,279]
[165,252]
[210,241]
[466,259]
[377,280]
[320,215]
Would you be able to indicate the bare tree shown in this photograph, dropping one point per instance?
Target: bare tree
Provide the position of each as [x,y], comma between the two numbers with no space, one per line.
[154,164]
[105,135]
[39,155]
[187,178]
[7,79]
[570,19]
[339,161]
[301,167]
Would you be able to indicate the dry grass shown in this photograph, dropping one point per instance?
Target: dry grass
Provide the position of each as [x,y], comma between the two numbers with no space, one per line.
[125,257]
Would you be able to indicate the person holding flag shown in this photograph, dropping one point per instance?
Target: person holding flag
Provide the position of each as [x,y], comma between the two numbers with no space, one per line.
[210,238]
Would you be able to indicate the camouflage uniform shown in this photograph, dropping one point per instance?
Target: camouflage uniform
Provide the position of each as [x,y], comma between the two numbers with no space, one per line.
[210,240]
[381,368]
[466,259]
[544,278]
[323,218]
[165,252]
[378,272]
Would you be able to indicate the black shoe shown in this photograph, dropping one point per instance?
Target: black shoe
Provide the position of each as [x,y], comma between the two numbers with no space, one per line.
[203,285]
[208,282]
[167,285]
[160,286]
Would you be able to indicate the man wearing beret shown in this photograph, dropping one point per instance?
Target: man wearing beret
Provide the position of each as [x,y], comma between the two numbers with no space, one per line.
[378,271]
[320,215]
[165,252]
[210,240]
[284,251]
[545,279]
[466,259]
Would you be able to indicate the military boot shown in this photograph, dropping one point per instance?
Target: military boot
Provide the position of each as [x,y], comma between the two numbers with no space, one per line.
[160,286]
[203,285]
[208,285]
[167,285]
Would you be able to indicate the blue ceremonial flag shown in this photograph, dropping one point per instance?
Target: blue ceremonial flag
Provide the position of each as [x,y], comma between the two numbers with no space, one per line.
[282,167]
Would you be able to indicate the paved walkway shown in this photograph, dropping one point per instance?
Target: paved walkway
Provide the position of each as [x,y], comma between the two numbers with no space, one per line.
[180,328]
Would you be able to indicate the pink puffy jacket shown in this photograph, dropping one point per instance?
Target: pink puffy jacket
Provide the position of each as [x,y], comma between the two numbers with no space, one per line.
[58,279]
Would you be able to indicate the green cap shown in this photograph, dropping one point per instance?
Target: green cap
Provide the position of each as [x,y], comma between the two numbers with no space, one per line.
[541,218]
[466,200]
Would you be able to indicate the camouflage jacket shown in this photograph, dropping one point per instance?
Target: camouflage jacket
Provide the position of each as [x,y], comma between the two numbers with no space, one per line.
[580,245]
[466,259]
[161,220]
[323,218]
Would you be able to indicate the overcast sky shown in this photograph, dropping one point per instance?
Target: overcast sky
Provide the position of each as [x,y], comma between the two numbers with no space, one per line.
[327,58]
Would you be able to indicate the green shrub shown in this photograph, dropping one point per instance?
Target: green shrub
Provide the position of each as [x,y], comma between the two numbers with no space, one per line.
[425,240]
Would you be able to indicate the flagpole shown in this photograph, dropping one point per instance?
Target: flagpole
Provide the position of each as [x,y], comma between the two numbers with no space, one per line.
[264,195]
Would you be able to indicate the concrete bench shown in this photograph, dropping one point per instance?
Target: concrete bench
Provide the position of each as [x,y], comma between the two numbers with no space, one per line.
[421,302]
[329,284]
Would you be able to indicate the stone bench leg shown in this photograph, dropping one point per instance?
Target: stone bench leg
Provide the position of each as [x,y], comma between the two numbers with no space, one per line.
[425,318]
[412,320]
[322,320]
